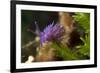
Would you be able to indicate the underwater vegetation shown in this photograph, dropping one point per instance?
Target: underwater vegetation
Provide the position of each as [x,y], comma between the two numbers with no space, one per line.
[55,36]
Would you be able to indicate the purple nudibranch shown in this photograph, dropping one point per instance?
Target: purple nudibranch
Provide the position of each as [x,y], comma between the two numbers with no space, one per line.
[51,32]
